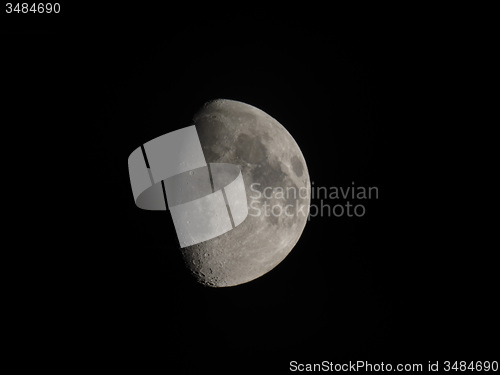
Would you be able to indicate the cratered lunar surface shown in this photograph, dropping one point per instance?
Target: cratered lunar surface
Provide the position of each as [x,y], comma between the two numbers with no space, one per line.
[237,133]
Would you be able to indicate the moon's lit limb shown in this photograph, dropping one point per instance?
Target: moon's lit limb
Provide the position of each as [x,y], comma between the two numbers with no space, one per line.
[237,133]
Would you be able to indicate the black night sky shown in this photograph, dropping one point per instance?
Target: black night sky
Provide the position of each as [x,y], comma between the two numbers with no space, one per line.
[354,91]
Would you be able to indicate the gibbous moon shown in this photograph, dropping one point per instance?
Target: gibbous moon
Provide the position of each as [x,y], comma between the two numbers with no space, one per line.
[277,186]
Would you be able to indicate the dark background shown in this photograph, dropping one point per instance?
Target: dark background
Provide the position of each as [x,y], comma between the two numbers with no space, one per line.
[357,92]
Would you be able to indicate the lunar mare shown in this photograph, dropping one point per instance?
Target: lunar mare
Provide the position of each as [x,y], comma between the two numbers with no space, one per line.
[237,133]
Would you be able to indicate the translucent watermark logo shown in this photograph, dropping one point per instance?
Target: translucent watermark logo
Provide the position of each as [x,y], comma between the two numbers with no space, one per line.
[205,200]
[333,201]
